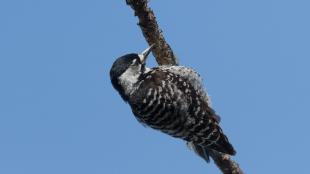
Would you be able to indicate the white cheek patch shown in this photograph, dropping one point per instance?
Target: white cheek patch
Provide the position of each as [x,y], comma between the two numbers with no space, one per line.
[129,78]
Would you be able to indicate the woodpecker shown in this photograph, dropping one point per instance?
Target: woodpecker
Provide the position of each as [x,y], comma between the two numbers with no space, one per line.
[171,99]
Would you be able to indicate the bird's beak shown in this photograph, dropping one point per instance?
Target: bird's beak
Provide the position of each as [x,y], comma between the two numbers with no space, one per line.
[145,53]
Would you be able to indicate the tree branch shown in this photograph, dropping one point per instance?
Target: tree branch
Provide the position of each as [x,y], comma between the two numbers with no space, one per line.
[225,163]
[164,56]
[152,33]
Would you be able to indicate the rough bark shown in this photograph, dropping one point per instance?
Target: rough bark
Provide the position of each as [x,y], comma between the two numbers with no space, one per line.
[152,33]
[164,56]
[225,163]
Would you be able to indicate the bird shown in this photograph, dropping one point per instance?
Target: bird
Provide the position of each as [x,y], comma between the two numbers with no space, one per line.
[171,99]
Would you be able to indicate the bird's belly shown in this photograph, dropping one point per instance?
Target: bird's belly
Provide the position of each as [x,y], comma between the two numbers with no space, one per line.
[165,119]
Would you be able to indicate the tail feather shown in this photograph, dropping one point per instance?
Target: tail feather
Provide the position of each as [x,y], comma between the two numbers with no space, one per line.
[200,151]
[218,141]
[222,145]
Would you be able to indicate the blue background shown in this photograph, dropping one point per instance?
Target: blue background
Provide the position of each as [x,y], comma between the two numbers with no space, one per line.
[60,114]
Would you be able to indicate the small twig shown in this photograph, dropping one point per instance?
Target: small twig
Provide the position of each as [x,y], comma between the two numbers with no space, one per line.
[164,56]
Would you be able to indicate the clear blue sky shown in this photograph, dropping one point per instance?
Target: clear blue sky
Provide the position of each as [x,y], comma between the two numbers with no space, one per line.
[60,114]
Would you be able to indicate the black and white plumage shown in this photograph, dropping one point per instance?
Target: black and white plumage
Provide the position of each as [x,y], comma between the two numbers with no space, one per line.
[170,99]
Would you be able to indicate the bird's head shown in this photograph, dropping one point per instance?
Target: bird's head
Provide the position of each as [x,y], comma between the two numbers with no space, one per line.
[126,71]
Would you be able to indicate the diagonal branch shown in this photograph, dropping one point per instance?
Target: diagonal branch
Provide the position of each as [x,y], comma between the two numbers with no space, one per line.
[225,163]
[152,33]
[164,56]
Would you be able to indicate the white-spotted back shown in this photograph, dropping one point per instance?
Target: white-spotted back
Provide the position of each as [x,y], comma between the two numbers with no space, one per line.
[192,76]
